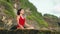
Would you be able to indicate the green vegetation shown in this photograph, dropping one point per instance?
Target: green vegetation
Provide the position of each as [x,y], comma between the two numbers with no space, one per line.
[51,19]
[41,20]
[8,9]
[48,20]
[26,4]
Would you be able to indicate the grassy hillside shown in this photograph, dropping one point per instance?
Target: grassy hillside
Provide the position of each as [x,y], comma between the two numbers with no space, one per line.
[8,15]
[8,9]
[33,15]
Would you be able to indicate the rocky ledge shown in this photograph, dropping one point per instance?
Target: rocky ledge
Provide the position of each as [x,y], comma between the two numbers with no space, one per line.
[26,31]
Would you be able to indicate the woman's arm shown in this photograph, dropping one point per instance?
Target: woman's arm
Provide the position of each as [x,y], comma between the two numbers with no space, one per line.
[18,22]
[28,26]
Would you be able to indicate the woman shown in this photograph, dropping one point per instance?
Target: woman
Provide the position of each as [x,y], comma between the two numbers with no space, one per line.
[21,19]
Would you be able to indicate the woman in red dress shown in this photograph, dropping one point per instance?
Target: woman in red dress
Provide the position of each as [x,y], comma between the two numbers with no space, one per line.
[21,19]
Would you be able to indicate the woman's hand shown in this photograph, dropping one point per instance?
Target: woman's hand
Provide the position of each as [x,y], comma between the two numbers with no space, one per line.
[21,27]
[27,25]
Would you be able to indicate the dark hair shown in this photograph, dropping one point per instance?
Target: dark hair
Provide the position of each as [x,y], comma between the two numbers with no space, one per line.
[18,12]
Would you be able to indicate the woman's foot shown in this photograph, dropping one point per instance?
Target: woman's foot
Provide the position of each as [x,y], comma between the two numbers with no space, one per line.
[30,28]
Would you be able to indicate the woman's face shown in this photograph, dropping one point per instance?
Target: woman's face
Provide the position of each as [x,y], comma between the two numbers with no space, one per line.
[22,11]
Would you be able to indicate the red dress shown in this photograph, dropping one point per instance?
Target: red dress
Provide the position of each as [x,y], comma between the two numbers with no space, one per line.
[21,22]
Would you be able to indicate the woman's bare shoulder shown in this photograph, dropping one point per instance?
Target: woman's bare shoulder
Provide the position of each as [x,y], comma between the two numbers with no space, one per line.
[18,16]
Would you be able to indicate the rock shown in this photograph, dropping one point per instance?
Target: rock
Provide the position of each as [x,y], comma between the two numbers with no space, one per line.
[26,31]
[19,31]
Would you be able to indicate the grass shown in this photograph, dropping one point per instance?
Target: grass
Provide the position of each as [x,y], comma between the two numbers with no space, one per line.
[8,7]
